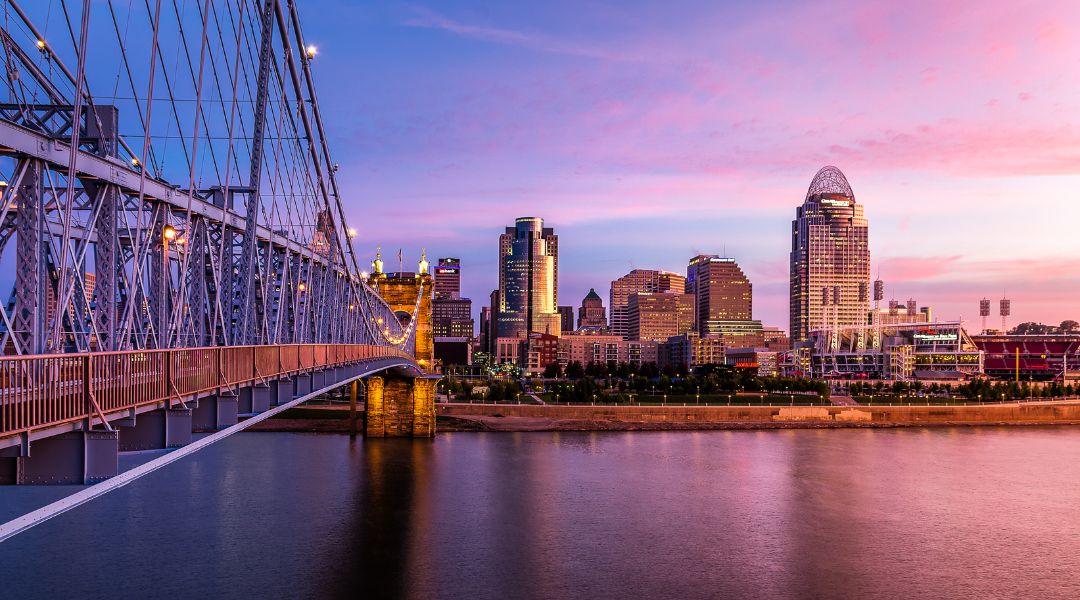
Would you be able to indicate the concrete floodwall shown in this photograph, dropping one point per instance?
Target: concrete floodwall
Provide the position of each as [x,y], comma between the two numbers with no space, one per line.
[1026,412]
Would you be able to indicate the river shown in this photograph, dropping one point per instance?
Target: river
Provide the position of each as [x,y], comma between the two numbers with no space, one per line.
[939,512]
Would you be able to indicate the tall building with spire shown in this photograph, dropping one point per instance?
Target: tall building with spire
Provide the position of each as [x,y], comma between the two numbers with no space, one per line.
[830,257]
[528,279]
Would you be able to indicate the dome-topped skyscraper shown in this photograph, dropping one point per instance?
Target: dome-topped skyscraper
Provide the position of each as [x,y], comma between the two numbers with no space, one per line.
[830,257]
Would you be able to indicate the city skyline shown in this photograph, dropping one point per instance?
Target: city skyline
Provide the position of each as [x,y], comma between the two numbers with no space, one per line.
[957,140]
[255,308]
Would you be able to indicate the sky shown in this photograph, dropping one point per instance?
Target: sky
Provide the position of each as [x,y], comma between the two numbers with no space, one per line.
[648,132]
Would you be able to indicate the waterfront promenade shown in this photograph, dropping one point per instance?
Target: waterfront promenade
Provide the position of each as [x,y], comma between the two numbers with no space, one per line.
[585,417]
[529,416]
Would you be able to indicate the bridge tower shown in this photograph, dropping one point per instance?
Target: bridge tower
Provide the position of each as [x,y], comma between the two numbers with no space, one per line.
[404,406]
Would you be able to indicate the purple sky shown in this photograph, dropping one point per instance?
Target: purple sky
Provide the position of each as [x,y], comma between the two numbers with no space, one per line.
[647,132]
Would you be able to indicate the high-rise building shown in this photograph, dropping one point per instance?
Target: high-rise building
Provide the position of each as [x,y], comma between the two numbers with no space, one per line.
[720,288]
[723,298]
[528,279]
[452,317]
[492,323]
[740,333]
[659,316]
[635,282]
[670,283]
[830,258]
[591,315]
[448,279]
[89,281]
[485,336]
[566,318]
[639,281]
[776,339]
[451,314]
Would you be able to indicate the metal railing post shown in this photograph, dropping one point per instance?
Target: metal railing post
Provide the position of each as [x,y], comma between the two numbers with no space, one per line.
[168,378]
[86,391]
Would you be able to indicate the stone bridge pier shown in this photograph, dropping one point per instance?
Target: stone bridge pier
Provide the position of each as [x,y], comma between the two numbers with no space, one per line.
[400,406]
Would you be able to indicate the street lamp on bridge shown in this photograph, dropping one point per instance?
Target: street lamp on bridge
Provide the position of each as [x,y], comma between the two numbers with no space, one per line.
[168,233]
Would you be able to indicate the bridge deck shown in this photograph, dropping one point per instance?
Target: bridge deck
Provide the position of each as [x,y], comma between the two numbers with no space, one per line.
[47,394]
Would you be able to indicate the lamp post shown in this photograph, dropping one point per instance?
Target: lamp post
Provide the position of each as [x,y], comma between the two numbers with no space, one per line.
[168,233]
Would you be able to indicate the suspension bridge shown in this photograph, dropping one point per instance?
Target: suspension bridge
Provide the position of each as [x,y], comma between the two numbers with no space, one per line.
[175,239]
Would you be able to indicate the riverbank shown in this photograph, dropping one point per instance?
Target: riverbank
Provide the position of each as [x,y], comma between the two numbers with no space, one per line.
[334,418]
[523,417]
[634,418]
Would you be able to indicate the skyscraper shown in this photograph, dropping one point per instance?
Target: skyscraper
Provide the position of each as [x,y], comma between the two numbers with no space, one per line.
[639,281]
[484,341]
[720,288]
[724,301]
[591,315]
[659,316]
[451,314]
[448,279]
[452,317]
[830,257]
[670,283]
[566,319]
[490,329]
[528,279]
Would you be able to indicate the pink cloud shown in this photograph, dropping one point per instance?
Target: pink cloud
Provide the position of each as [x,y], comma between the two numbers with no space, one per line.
[907,268]
[939,112]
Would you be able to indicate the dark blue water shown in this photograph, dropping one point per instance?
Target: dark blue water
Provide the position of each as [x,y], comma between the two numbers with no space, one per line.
[946,513]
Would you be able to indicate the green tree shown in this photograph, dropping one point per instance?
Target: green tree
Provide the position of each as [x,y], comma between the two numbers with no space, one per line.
[1032,328]
[552,371]
[574,370]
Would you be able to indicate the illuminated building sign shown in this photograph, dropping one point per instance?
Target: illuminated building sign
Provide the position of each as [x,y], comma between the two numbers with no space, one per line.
[935,337]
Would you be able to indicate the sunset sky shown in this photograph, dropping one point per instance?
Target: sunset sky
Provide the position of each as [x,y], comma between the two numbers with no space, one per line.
[647,132]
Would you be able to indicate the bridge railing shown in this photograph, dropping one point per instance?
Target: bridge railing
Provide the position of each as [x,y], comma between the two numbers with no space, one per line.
[52,389]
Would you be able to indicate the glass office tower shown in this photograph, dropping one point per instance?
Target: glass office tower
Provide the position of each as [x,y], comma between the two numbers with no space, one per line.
[528,279]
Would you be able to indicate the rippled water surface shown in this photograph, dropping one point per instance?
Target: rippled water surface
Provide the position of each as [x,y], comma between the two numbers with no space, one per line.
[957,513]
